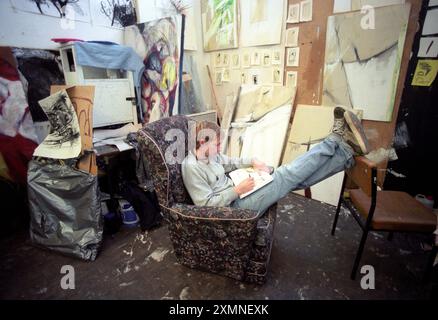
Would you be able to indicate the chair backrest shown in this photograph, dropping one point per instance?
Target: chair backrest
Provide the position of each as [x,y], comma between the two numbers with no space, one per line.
[156,140]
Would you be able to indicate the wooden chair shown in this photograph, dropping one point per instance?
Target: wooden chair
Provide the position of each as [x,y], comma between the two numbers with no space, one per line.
[390,211]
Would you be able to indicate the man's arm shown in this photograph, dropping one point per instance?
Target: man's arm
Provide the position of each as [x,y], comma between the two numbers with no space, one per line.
[201,192]
[231,164]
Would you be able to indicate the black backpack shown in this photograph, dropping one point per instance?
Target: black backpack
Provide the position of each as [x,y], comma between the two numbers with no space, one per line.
[145,204]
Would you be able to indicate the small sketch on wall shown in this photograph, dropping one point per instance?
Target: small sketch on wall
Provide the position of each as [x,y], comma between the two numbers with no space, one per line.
[293,15]
[243,77]
[225,60]
[291,79]
[292,37]
[276,75]
[293,57]
[266,60]
[306,10]
[235,61]
[78,10]
[276,57]
[218,77]
[226,75]
[246,60]
[255,58]
[113,13]
[218,59]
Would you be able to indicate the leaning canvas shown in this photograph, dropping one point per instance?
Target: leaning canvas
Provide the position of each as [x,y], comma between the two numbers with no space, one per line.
[64,139]
[219,24]
[159,44]
[363,58]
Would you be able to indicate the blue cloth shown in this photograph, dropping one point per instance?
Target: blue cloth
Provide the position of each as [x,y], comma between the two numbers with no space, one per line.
[324,160]
[111,57]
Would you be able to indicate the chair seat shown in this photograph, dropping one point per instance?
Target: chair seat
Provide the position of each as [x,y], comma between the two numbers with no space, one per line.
[395,211]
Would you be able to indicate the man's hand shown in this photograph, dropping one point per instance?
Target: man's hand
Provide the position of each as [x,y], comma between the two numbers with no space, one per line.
[245,186]
[260,166]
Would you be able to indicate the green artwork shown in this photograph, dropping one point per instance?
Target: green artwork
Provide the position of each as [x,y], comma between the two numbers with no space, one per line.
[219,24]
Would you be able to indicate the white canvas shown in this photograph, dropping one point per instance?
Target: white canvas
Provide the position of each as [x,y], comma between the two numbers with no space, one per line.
[259,141]
[261,22]
[362,65]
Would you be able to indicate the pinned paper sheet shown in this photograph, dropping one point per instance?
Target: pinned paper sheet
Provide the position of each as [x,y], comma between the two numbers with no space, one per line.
[428,48]
[425,73]
[431,23]
[342,6]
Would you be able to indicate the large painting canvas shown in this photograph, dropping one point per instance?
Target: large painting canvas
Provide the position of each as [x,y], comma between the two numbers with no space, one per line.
[159,43]
[71,9]
[362,60]
[261,22]
[219,24]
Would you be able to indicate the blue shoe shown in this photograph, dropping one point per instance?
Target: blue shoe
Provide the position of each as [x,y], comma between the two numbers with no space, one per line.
[129,216]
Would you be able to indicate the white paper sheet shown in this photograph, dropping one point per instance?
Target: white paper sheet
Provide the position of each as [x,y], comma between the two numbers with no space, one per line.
[428,47]
[342,6]
[431,23]
[64,139]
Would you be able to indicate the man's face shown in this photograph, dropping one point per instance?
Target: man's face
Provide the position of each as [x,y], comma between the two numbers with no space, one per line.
[210,148]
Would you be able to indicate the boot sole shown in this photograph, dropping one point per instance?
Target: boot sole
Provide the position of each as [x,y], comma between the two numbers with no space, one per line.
[357,130]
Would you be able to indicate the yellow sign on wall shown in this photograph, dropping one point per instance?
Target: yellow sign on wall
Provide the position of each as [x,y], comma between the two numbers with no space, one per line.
[425,73]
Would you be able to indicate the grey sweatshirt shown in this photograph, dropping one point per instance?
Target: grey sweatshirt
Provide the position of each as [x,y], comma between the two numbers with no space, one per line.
[206,181]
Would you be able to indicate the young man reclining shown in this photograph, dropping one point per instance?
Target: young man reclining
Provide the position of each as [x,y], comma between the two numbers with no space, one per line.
[204,169]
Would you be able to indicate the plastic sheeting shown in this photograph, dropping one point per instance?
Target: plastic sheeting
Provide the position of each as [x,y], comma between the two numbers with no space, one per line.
[65,210]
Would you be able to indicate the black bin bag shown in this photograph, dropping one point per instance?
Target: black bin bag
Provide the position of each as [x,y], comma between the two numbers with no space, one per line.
[65,210]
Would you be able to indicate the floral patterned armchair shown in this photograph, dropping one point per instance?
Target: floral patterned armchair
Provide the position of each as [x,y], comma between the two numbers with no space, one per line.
[232,242]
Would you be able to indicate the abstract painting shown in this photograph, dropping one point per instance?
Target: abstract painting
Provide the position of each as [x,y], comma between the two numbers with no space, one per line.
[362,65]
[78,10]
[113,13]
[64,139]
[261,22]
[158,43]
[219,24]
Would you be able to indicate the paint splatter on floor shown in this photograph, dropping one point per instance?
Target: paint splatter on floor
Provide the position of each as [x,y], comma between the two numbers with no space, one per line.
[184,295]
[158,255]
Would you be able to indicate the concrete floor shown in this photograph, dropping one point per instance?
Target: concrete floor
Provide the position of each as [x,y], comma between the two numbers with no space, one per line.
[306,263]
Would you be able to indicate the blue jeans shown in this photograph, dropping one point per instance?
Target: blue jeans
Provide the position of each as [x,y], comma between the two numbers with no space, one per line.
[324,160]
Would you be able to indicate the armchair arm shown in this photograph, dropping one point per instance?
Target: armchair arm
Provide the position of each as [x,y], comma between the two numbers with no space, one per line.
[214,213]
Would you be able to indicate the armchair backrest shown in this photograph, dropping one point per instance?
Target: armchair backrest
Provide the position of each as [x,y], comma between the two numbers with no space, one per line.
[164,139]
